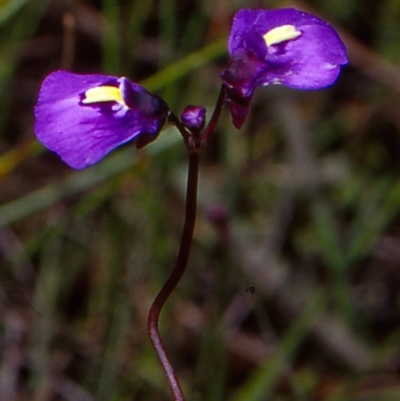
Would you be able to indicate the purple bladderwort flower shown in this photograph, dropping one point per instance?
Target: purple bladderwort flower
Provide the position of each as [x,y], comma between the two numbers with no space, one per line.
[283,46]
[83,117]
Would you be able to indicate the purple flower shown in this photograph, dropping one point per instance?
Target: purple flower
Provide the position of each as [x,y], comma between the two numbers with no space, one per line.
[283,46]
[83,117]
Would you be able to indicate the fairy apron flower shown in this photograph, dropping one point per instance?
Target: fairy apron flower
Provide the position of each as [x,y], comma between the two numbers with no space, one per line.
[83,117]
[284,46]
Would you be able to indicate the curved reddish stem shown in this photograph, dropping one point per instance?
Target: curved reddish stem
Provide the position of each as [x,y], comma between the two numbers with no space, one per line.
[192,144]
[176,275]
[209,130]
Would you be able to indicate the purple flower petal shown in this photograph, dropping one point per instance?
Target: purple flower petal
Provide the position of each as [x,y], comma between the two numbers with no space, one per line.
[283,46]
[83,117]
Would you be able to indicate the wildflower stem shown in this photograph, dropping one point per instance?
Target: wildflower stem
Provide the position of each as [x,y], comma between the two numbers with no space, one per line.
[209,130]
[176,275]
[174,120]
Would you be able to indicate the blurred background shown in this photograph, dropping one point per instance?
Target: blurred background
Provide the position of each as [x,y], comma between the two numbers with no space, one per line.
[292,289]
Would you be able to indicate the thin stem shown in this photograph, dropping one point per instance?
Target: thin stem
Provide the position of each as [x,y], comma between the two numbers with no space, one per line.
[209,130]
[176,275]
[173,119]
[192,143]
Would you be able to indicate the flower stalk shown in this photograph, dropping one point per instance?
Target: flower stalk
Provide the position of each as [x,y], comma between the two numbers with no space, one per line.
[175,276]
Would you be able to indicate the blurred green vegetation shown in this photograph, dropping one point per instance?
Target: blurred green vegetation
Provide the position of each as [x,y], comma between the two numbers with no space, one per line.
[292,291]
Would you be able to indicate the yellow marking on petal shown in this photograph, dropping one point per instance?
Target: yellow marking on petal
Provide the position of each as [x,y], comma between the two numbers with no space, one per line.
[281,34]
[103,94]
